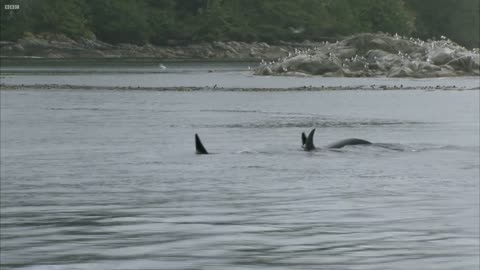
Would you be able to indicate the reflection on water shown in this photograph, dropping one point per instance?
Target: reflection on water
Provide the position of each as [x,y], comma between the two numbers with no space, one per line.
[109,180]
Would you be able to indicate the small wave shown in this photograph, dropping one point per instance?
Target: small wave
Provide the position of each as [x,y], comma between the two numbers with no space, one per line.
[247,151]
[421,148]
[471,167]
[81,109]
[232,111]
[394,147]
[303,123]
[47,267]
[249,167]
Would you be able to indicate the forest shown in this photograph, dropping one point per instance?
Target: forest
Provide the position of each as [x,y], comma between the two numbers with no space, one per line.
[174,22]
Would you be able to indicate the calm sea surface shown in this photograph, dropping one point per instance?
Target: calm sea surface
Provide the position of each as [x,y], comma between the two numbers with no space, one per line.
[105,179]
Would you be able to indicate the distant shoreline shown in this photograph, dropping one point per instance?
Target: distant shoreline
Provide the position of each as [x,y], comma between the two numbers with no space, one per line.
[240,89]
[58,46]
[360,55]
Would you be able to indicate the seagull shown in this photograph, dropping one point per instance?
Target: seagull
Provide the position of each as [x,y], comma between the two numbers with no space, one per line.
[296,30]
[162,67]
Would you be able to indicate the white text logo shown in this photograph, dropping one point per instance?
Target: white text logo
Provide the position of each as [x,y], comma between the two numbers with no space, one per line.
[12,6]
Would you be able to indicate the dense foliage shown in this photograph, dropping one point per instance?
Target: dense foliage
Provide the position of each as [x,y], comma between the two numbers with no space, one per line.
[186,21]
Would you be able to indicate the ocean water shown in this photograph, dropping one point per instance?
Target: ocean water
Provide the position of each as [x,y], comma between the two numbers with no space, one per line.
[105,179]
[230,75]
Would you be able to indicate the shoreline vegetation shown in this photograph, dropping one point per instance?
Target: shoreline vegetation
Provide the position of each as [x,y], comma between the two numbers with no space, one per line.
[329,38]
[215,88]
[174,22]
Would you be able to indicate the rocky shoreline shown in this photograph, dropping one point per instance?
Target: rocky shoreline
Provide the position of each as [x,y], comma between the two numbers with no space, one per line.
[378,55]
[361,55]
[57,46]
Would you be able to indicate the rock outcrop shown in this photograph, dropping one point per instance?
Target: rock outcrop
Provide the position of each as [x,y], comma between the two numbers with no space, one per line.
[366,55]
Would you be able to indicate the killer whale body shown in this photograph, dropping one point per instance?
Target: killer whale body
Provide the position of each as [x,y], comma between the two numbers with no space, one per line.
[351,141]
[307,142]
[200,149]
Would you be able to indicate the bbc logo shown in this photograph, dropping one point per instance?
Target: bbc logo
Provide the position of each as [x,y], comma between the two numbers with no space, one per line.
[12,6]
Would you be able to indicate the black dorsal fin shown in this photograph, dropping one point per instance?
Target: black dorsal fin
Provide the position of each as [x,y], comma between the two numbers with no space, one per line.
[199,146]
[304,139]
[309,143]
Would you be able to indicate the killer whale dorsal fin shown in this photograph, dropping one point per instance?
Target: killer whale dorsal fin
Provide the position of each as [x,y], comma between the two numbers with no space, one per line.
[309,142]
[304,139]
[200,149]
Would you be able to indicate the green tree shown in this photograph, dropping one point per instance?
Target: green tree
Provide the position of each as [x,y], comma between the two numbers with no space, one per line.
[161,20]
[391,16]
[120,21]
[164,21]
[465,23]
[60,16]
[457,19]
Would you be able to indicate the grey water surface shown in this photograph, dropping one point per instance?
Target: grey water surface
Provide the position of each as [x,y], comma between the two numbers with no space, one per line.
[147,73]
[103,179]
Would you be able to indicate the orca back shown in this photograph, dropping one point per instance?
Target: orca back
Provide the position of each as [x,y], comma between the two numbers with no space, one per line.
[352,141]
